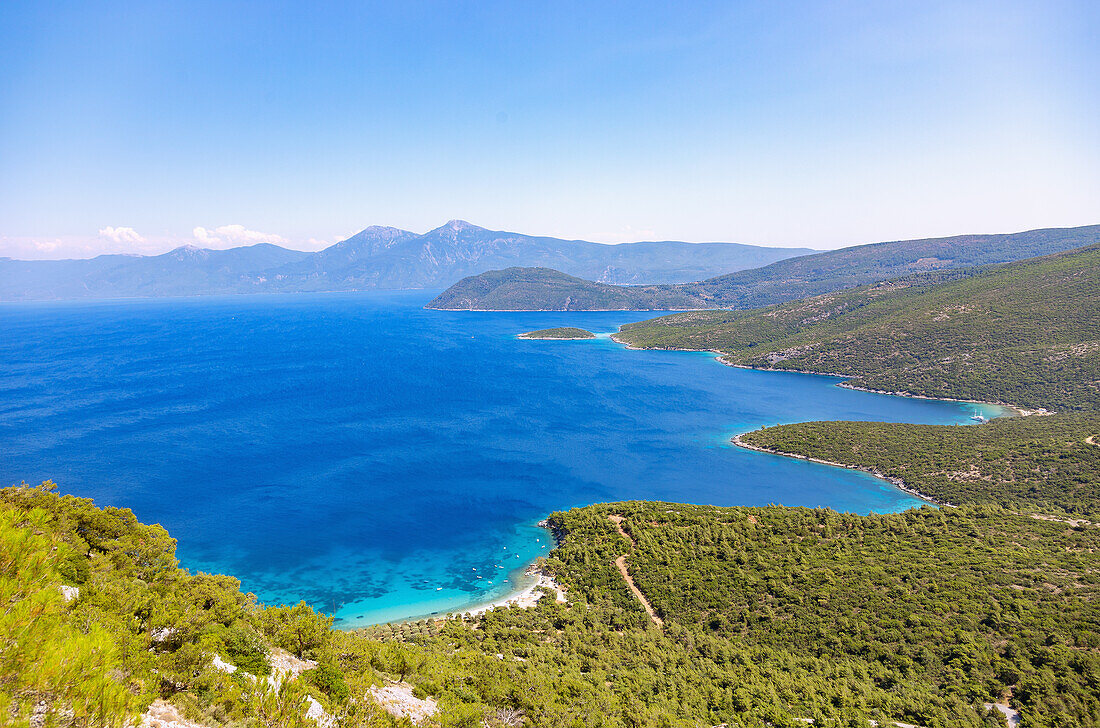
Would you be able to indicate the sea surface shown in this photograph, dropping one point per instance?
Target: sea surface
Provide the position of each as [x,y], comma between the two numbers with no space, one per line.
[383,461]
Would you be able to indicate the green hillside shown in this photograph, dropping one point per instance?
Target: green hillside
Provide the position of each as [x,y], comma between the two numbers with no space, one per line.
[544,289]
[771,615]
[1040,464]
[1026,333]
[785,280]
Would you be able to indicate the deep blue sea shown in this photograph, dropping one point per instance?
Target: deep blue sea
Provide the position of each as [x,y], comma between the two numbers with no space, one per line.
[386,461]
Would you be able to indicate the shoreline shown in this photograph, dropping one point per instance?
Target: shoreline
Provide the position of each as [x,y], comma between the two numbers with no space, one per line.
[533,576]
[524,598]
[898,483]
[538,579]
[894,481]
[719,357]
[567,310]
[555,338]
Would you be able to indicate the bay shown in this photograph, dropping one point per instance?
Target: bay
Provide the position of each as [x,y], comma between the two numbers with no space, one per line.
[375,458]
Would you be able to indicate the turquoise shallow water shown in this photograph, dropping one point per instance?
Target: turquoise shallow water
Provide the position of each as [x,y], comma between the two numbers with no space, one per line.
[375,458]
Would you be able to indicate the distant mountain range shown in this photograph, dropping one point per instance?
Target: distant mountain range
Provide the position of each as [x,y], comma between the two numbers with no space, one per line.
[185,271]
[376,258]
[786,280]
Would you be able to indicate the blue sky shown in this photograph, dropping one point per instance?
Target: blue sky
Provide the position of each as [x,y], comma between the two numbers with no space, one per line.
[140,126]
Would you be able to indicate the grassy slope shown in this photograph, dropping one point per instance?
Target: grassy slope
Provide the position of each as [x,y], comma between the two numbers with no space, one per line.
[1026,333]
[786,280]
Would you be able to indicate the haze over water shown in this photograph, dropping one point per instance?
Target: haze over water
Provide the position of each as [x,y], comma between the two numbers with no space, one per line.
[367,455]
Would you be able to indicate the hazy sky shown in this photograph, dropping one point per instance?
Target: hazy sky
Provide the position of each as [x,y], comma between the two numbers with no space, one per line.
[140,126]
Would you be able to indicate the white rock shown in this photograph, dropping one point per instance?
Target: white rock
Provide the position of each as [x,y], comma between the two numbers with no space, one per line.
[317,712]
[398,700]
[220,664]
[162,634]
[162,714]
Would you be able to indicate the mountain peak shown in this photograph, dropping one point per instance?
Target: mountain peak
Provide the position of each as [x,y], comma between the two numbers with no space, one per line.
[378,229]
[188,251]
[459,225]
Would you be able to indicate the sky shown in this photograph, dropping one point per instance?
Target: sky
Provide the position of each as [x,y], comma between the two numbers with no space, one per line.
[136,127]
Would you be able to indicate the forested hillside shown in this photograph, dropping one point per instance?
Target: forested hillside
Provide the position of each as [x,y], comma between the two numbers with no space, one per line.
[786,280]
[771,616]
[1043,464]
[544,289]
[1026,333]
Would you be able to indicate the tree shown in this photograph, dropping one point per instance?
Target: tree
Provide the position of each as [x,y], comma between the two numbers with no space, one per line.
[299,629]
[44,658]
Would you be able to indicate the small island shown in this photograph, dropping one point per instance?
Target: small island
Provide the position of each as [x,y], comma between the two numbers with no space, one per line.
[566,333]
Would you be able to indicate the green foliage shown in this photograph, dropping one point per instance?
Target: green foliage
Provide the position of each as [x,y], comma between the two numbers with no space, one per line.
[771,615]
[44,656]
[245,648]
[141,627]
[924,613]
[328,677]
[298,629]
[1026,463]
[1027,333]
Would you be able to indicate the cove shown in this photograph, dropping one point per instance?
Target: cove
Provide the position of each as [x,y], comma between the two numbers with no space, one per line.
[383,461]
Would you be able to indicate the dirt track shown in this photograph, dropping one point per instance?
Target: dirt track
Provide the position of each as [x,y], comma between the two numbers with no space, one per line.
[621,563]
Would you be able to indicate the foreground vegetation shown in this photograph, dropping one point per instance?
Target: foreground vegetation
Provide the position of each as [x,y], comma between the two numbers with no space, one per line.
[1026,333]
[771,615]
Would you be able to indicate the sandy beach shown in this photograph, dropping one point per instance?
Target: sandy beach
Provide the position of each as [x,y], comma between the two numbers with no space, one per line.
[528,596]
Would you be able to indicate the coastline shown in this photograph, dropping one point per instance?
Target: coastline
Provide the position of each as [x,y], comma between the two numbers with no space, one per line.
[555,338]
[535,579]
[524,598]
[567,310]
[896,482]
[1017,410]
